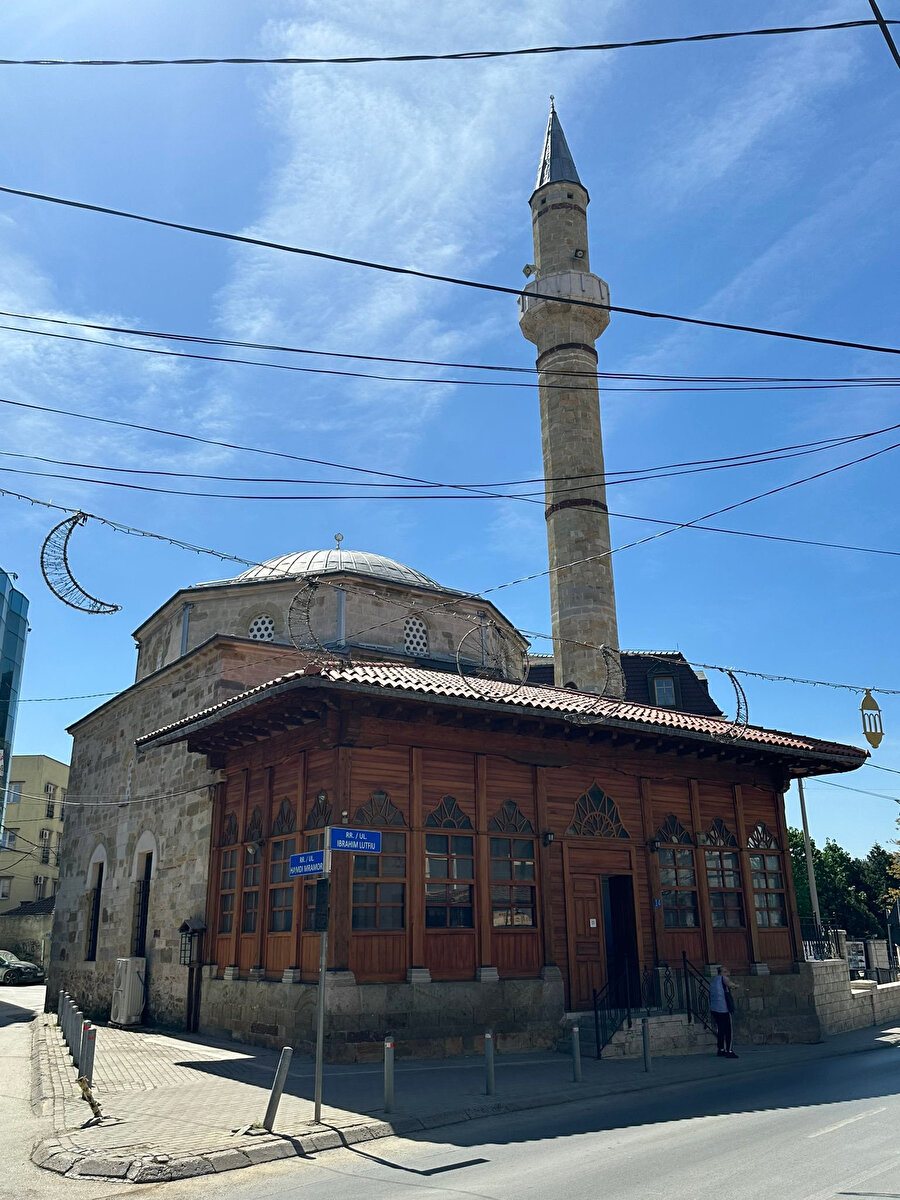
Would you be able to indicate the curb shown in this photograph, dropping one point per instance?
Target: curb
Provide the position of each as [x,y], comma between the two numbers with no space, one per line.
[52,1154]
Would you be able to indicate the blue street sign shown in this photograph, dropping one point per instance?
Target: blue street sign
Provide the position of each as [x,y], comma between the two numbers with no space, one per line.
[361,841]
[310,863]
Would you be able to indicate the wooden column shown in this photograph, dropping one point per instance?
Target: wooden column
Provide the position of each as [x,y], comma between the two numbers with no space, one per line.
[341,870]
[706,925]
[297,910]
[482,865]
[787,871]
[545,866]
[217,817]
[746,875]
[264,859]
[652,865]
[241,862]
[416,898]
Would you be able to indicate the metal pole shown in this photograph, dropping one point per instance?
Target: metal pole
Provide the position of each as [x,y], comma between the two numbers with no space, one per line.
[597,1025]
[64,1016]
[77,1026]
[687,987]
[82,1043]
[277,1087]
[810,869]
[59,1009]
[576,1054]
[389,1073]
[489,1062]
[88,1044]
[320,1027]
[645,1038]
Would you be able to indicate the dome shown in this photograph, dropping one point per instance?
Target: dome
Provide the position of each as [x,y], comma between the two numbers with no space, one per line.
[321,562]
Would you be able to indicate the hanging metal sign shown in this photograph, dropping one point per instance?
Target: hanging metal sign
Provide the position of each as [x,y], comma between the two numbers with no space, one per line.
[360,841]
[311,862]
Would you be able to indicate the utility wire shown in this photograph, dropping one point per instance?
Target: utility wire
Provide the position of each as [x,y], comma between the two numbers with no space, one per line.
[883,26]
[245,239]
[577,483]
[824,385]
[857,380]
[457,56]
[859,791]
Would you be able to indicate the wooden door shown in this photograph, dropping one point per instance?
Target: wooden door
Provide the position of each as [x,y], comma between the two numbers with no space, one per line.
[588,965]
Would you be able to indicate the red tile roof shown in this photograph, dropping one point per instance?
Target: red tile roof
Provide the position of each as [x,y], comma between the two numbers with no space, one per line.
[563,703]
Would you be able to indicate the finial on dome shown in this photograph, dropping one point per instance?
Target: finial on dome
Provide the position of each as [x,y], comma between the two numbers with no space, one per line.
[338,538]
[552,105]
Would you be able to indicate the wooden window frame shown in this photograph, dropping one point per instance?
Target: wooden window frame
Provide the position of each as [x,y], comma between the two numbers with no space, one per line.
[228,867]
[314,840]
[445,885]
[251,870]
[505,899]
[773,896]
[678,887]
[374,871]
[281,887]
[717,879]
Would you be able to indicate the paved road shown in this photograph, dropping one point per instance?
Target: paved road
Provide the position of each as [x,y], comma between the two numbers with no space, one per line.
[829,1131]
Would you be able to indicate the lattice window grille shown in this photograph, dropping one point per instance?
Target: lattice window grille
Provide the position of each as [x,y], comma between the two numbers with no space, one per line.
[230,830]
[596,815]
[415,636]
[510,819]
[448,815]
[262,628]
[286,821]
[672,830]
[761,838]
[319,815]
[718,835]
[379,810]
[254,827]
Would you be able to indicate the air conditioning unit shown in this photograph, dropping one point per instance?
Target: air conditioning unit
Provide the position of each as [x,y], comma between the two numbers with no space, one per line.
[128,991]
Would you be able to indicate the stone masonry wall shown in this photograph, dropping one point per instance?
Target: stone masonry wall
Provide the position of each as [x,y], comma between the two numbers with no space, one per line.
[427,1020]
[107,813]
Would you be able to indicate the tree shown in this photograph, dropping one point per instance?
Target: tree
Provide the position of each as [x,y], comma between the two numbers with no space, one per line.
[853,892]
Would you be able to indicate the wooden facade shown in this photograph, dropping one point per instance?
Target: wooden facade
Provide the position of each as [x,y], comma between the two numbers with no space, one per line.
[512,844]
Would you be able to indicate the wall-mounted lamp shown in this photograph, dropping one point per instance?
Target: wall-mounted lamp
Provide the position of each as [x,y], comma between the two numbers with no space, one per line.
[653,845]
[547,837]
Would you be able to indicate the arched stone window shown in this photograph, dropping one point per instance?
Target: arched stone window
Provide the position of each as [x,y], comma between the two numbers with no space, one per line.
[95,875]
[262,628]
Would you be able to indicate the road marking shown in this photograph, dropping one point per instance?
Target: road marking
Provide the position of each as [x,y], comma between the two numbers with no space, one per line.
[849,1121]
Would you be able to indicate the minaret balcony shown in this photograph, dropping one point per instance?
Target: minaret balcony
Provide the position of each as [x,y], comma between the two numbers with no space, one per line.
[536,313]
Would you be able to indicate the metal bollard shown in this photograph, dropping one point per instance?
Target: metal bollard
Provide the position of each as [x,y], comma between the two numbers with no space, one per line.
[64,1015]
[277,1087]
[389,1073]
[645,1038]
[75,1045]
[86,1057]
[489,1062]
[576,1054]
[59,1009]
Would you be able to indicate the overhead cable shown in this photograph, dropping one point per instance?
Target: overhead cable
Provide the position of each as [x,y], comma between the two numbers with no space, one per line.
[883,26]
[322,255]
[453,56]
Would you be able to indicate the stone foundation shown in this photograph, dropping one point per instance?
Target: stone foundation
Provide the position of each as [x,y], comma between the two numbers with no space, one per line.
[430,1020]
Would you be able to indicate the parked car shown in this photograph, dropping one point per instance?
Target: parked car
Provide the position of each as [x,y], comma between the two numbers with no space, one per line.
[16,970]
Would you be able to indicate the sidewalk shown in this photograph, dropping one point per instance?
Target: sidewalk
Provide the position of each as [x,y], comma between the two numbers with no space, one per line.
[173,1105]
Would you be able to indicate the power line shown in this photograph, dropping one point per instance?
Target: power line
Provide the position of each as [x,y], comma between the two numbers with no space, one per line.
[577,482]
[457,56]
[245,239]
[883,26]
[750,380]
[859,791]
[743,386]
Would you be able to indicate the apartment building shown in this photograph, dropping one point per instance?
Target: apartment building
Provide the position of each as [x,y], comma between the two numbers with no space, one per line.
[32,829]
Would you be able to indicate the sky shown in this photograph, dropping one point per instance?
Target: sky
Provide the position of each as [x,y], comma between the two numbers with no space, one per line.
[751,181]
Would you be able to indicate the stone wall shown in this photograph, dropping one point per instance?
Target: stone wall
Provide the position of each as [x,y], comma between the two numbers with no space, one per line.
[810,1005]
[108,815]
[427,1020]
[24,936]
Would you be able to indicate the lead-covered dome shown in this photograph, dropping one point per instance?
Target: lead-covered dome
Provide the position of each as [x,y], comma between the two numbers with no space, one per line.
[322,562]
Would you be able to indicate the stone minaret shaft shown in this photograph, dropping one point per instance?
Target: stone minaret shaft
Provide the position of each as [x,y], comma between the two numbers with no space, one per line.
[582,596]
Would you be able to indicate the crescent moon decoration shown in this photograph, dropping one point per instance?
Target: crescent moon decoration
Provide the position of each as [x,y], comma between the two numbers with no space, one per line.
[742,715]
[499,660]
[58,574]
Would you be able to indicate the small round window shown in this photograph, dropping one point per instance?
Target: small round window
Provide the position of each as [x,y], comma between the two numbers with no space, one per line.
[262,629]
[415,636]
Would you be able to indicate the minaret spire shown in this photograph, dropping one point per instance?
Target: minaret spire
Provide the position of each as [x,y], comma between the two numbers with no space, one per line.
[581,579]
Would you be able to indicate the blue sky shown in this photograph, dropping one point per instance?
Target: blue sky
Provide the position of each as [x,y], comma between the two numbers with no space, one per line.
[752,181]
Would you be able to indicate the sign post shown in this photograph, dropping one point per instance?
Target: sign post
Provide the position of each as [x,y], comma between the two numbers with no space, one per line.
[318,863]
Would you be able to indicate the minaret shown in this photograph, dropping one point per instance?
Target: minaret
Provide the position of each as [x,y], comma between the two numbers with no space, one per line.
[583,603]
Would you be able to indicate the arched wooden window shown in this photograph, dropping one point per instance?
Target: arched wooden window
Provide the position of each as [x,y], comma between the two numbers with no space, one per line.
[449,869]
[677,875]
[768,878]
[596,815]
[723,877]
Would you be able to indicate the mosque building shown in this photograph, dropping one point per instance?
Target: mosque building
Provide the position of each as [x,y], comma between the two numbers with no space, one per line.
[548,828]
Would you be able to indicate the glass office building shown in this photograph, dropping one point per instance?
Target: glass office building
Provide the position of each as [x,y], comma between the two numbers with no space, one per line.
[13,631]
